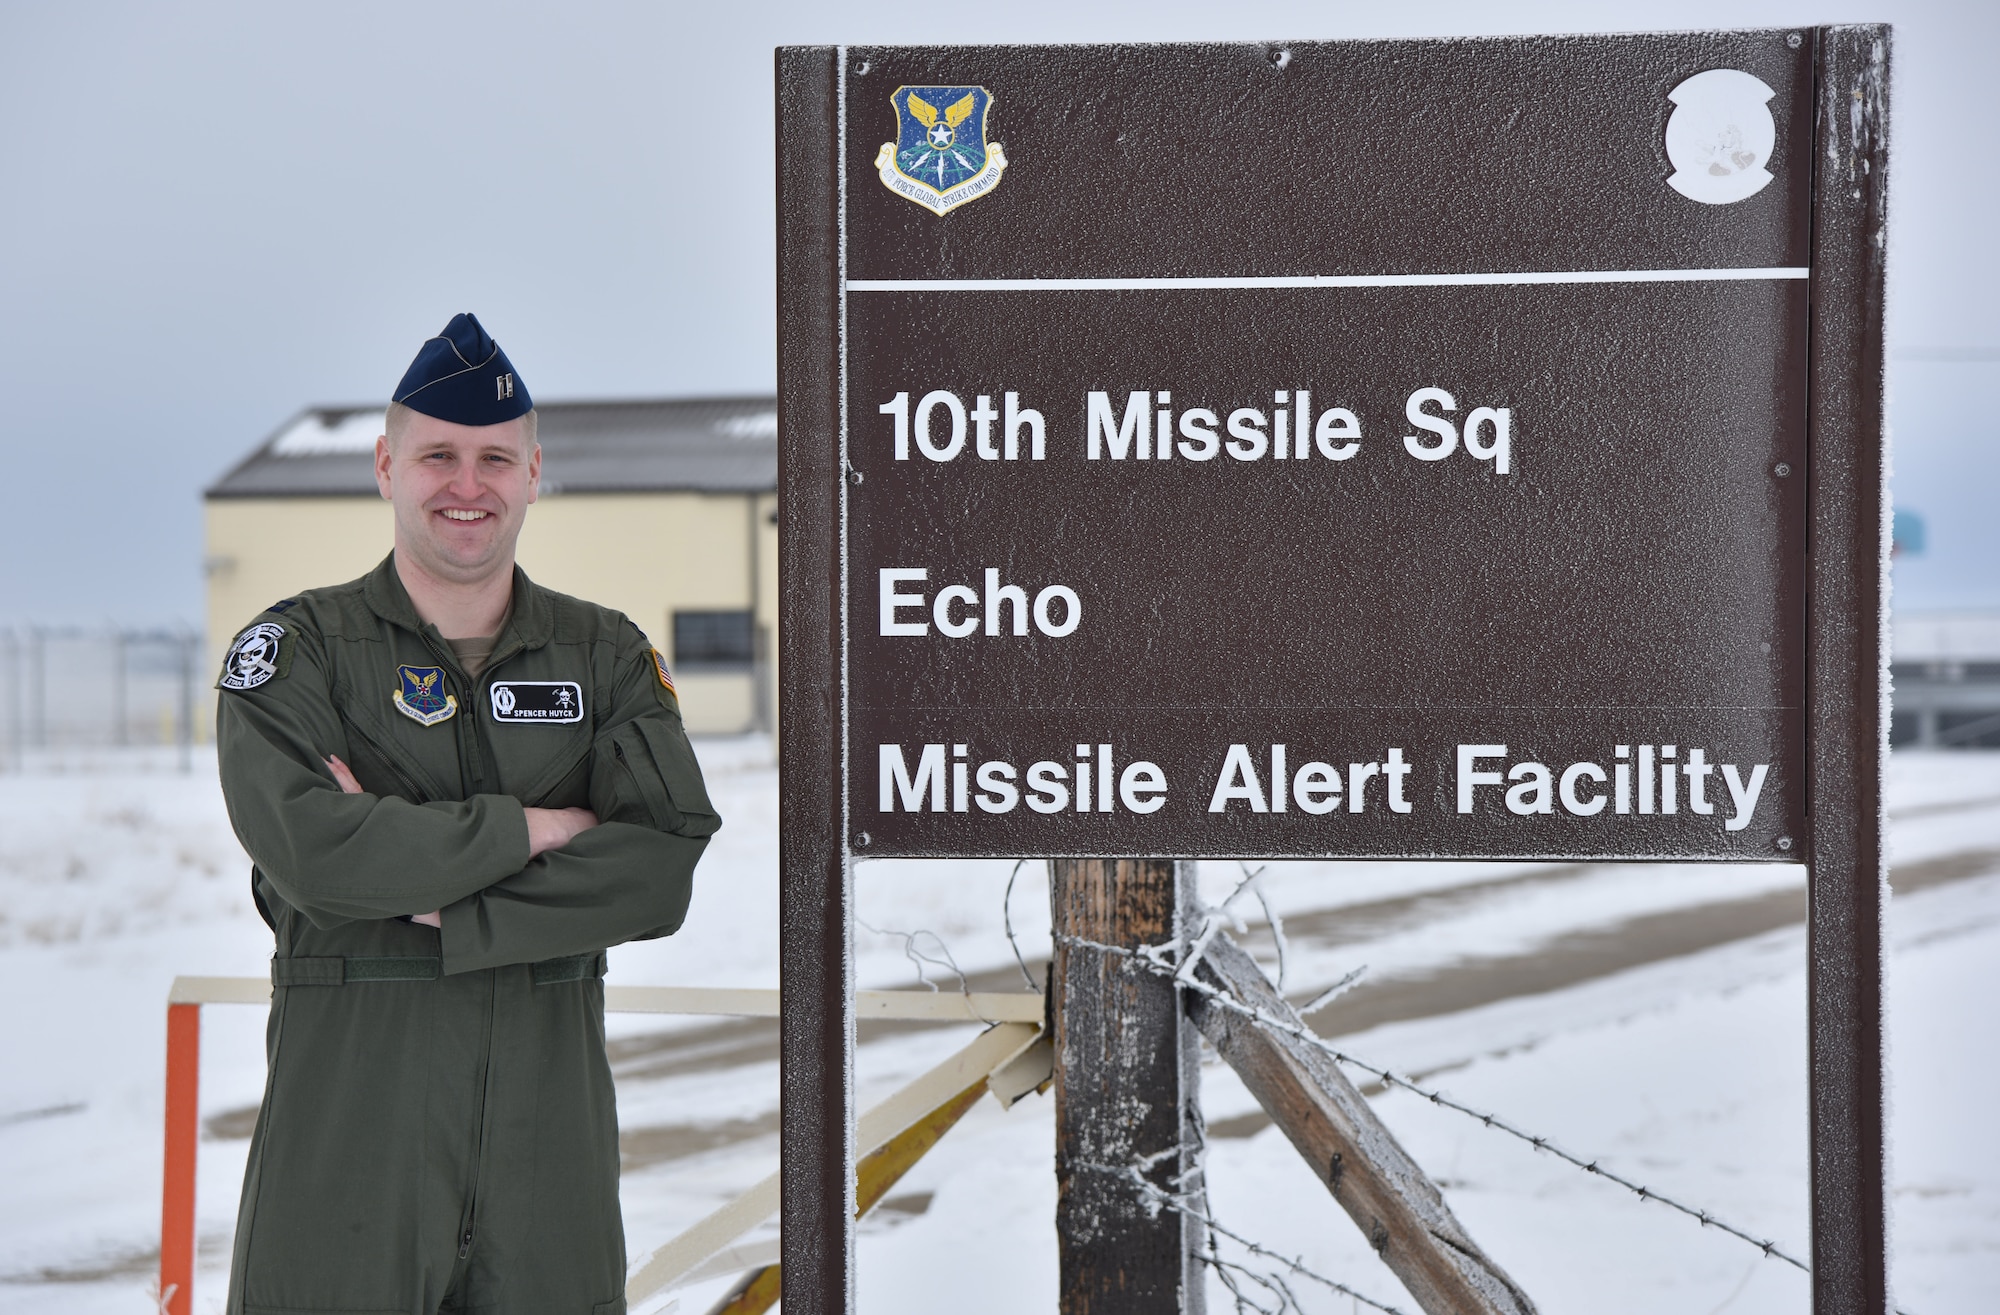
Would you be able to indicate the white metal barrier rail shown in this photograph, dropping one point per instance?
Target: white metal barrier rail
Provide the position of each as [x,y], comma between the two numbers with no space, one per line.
[1006,1057]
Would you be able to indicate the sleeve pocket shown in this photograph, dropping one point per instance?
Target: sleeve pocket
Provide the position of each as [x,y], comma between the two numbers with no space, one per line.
[645,773]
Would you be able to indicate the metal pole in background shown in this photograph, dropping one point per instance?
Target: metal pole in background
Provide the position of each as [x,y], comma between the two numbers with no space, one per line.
[121,731]
[16,732]
[184,718]
[38,677]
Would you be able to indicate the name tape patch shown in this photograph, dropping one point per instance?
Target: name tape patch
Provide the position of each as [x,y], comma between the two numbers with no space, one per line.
[543,702]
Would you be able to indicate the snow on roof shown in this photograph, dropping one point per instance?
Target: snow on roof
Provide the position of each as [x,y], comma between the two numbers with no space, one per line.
[319,433]
[710,444]
[1947,636]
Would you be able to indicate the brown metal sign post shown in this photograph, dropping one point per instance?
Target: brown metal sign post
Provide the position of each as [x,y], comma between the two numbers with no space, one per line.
[1395,449]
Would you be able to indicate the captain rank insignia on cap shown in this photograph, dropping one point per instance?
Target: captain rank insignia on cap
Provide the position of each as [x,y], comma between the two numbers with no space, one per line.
[422,698]
[462,376]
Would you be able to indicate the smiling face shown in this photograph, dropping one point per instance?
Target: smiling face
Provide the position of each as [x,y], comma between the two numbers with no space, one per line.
[460,492]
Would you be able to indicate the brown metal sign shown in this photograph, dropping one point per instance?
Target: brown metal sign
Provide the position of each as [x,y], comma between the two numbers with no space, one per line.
[1359,449]
[1392,449]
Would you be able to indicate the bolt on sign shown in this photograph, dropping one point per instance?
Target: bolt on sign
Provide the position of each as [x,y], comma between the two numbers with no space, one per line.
[1394,449]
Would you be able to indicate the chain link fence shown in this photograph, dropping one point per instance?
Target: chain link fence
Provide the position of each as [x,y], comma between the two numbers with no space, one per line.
[70,693]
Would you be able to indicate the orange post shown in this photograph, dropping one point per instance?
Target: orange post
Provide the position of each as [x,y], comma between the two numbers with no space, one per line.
[183,1130]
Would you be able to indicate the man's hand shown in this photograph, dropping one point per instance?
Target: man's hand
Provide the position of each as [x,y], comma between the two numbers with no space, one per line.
[345,779]
[552,828]
[342,776]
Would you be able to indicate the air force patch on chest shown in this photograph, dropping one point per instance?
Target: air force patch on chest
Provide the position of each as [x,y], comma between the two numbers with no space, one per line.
[941,158]
[422,697]
[255,657]
[543,702]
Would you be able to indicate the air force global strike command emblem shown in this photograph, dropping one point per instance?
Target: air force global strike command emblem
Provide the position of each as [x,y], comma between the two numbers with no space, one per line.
[941,158]
[254,657]
[422,697]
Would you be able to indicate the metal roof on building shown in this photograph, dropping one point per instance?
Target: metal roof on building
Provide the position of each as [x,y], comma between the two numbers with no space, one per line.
[704,445]
[1958,636]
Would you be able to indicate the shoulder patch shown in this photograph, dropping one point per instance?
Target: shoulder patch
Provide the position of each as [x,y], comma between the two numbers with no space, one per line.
[259,654]
[668,694]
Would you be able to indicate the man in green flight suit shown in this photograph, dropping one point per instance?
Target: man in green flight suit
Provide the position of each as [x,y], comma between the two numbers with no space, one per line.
[458,788]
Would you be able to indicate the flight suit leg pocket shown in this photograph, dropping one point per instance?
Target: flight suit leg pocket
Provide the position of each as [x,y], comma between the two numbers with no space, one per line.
[645,773]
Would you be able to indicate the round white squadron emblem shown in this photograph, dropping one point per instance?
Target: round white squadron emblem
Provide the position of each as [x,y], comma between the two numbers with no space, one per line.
[1720,136]
[253,658]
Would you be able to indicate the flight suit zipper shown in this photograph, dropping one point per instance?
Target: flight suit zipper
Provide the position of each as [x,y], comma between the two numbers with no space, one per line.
[479,1118]
[473,751]
[472,769]
[461,686]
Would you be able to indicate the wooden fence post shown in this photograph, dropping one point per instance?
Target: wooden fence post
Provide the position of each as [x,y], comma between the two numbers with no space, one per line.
[1126,1082]
[1386,1192]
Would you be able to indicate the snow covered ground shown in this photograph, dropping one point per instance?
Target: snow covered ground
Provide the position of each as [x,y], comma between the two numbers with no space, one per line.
[1650,1016]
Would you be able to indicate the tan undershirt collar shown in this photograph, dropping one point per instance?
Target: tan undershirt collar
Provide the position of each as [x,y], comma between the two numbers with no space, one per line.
[474,654]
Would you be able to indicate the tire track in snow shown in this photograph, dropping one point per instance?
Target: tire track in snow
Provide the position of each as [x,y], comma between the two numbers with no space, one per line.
[1567,959]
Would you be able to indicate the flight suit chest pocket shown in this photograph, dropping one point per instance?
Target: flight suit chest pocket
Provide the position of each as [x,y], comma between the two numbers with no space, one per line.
[386,761]
[540,733]
[553,770]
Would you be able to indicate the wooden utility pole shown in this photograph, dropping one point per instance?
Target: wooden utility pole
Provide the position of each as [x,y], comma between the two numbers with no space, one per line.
[1126,1081]
[1387,1194]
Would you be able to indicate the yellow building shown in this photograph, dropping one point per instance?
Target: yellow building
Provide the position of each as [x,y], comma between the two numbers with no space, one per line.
[665,510]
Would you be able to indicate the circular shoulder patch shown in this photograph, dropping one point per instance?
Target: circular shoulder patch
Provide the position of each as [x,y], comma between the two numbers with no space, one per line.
[253,658]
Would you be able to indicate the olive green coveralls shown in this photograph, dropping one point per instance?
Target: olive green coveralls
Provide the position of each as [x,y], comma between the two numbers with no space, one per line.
[438,1129]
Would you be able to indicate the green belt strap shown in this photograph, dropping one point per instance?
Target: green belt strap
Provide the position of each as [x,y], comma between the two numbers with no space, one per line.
[335,970]
[575,968]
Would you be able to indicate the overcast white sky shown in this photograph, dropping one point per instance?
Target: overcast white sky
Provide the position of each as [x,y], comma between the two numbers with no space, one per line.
[212,215]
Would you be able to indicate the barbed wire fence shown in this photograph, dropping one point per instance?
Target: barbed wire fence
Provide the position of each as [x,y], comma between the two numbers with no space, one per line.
[1179,960]
[69,692]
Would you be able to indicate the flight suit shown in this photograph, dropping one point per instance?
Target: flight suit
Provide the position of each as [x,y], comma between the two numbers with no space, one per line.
[438,1129]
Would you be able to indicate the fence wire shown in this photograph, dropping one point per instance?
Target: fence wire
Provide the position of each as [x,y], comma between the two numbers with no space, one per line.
[1178,964]
[110,687]
[1192,1203]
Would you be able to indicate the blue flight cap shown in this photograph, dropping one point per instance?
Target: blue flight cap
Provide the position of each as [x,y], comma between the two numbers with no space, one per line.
[462,376]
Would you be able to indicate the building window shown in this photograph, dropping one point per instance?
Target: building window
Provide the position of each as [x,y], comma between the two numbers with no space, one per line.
[712,641]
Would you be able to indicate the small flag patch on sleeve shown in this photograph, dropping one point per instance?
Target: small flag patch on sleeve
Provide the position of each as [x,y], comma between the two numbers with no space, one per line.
[668,694]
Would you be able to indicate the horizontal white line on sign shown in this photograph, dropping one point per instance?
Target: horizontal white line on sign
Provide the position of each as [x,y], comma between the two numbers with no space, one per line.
[1333,280]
